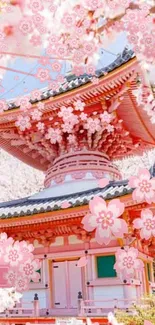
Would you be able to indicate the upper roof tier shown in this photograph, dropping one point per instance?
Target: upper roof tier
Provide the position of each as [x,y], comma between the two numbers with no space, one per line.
[85,113]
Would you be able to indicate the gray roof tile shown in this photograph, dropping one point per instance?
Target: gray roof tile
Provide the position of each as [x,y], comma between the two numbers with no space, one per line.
[23,207]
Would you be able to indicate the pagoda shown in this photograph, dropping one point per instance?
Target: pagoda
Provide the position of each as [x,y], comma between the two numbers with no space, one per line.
[84,126]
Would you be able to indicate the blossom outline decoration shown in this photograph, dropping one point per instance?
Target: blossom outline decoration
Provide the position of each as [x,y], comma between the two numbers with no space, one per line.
[144,186]
[105,220]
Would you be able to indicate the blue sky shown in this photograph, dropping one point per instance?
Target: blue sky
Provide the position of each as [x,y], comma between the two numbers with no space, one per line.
[14,87]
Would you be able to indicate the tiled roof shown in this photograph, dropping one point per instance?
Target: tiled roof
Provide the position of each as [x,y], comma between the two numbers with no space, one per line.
[24,207]
[75,82]
[28,206]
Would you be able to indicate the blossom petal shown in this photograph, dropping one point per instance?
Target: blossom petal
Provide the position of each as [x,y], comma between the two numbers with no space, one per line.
[138,195]
[116,207]
[143,173]
[96,205]
[138,223]
[146,213]
[145,234]
[119,228]
[89,222]
[152,181]
[133,181]
[103,235]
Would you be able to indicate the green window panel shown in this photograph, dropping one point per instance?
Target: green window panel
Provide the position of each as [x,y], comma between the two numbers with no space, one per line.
[39,271]
[105,266]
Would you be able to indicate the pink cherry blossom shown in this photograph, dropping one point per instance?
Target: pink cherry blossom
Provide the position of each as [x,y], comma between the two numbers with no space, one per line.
[54,85]
[90,69]
[56,66]
[83,116]
[5,241]
[36,40]
[53,39]
[44,60]
[62,51]
[105,219]
[145,187]
[93,125]
[95,80]
[78,56]
[37,19]
[71,139]
[89,48]
[23,122]
[103,182]
[40,106]
[23,102]
[53,8]
[78,70]
[127,262]
[93,4]
[29,268]
[106,117]
[21,283]
[65,205]
[79,105]
[26,248]
[68,20]
[54,135]
[40,126]
[146,224]
[18,258]
[65,113]
[25,26]
[110,128]
[36,115]
[67,127]
[11,276]
[3,106]
[43,74]
[36,94]
[83,261]
[36,5]
[13,255]
[60,78]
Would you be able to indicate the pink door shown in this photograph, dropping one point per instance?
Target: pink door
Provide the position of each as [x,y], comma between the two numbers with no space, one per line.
[75,283]
[59,285]
[67,282]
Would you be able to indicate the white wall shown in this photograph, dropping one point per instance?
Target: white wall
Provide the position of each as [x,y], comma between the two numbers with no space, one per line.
[108,293]
[29,297]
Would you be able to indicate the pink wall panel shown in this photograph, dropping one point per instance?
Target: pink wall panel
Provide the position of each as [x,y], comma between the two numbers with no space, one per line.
[75,282]
[59,283]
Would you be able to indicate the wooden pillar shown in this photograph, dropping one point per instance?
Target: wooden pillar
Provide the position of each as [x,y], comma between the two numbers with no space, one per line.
[89,276]
[46,270]
[36,306]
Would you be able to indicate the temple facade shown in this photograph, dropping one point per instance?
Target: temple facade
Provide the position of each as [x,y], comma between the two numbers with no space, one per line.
[76,149]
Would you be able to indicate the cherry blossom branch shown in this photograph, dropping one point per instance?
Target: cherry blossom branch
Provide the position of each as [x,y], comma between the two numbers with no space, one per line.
[17,71]
[33,56]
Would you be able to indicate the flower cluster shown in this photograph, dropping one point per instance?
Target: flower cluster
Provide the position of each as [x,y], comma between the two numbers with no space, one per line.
[145,98]
[79,30]
[105,220]
[127,262]
[18,258]
[8,297]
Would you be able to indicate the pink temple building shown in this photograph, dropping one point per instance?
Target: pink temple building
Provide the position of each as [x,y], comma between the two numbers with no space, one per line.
[73,163]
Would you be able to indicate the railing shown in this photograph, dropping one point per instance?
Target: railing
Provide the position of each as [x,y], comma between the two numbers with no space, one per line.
[104,306]
[24,309]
